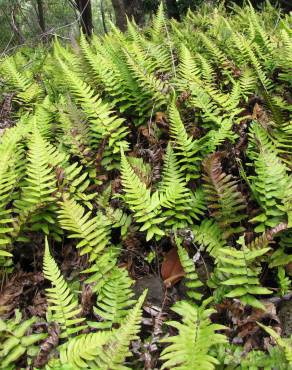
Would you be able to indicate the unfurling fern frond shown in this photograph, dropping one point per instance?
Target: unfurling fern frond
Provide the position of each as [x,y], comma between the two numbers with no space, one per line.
[192,281]
[63,306]
[114,299]
[105,350]
[190,348]
[224,199]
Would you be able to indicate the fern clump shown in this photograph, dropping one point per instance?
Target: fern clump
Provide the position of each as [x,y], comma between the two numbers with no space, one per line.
[159,153]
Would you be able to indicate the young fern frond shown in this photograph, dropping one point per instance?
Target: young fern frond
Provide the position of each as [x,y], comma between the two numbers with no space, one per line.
[63,306]
[189,349]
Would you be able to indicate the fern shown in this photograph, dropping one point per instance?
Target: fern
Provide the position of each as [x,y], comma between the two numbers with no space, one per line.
[146,207]
[104,350]
[63,307]
[192,280]
[93,231]
[114,299]
[196,335]
[285,344]
[16,339]
[224,200]
[242,274]
[186,147]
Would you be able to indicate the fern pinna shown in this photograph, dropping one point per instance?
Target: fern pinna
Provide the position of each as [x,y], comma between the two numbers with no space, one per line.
[120,150]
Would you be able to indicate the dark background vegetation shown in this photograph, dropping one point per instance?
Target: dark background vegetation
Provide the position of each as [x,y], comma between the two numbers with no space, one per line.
[31,21]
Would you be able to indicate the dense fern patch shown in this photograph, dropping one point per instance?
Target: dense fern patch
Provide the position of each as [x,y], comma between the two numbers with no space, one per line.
[166,149]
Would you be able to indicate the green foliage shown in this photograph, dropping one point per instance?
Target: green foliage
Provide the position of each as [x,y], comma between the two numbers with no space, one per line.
[16,339]
[241,274]
[192,280]
[114,298]
[107,349]
[196,335]
[116,147]
[63,306]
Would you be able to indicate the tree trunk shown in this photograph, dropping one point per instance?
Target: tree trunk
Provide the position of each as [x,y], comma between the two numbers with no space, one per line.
[134,9]
[172,9]
[84,8]
[15,27]
[120,14]
[130,9]
[41,17]
[103,16]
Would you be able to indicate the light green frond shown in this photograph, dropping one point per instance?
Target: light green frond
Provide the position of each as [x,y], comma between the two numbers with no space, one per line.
[63,306]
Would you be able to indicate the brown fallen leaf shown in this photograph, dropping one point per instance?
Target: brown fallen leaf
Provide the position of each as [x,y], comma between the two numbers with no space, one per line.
[10,294]
[171,268]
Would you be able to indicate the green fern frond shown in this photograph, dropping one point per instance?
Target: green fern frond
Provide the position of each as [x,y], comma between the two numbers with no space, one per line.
[63,307]
[146,207]
[190,349]
[94,232]
[16,340]
[105,350]
[114,299]
[209,236]
[186,147]
[242,274]
[192,281]
[285,344]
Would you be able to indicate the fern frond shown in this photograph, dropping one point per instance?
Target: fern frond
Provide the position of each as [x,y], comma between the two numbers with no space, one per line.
[63,307]
[94,232]
[146,207]
[16,340]
[242,274]
[104,350]
[192,281]
[209,236]
[224,200]
[186,147]
[114,299]
[196,336]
